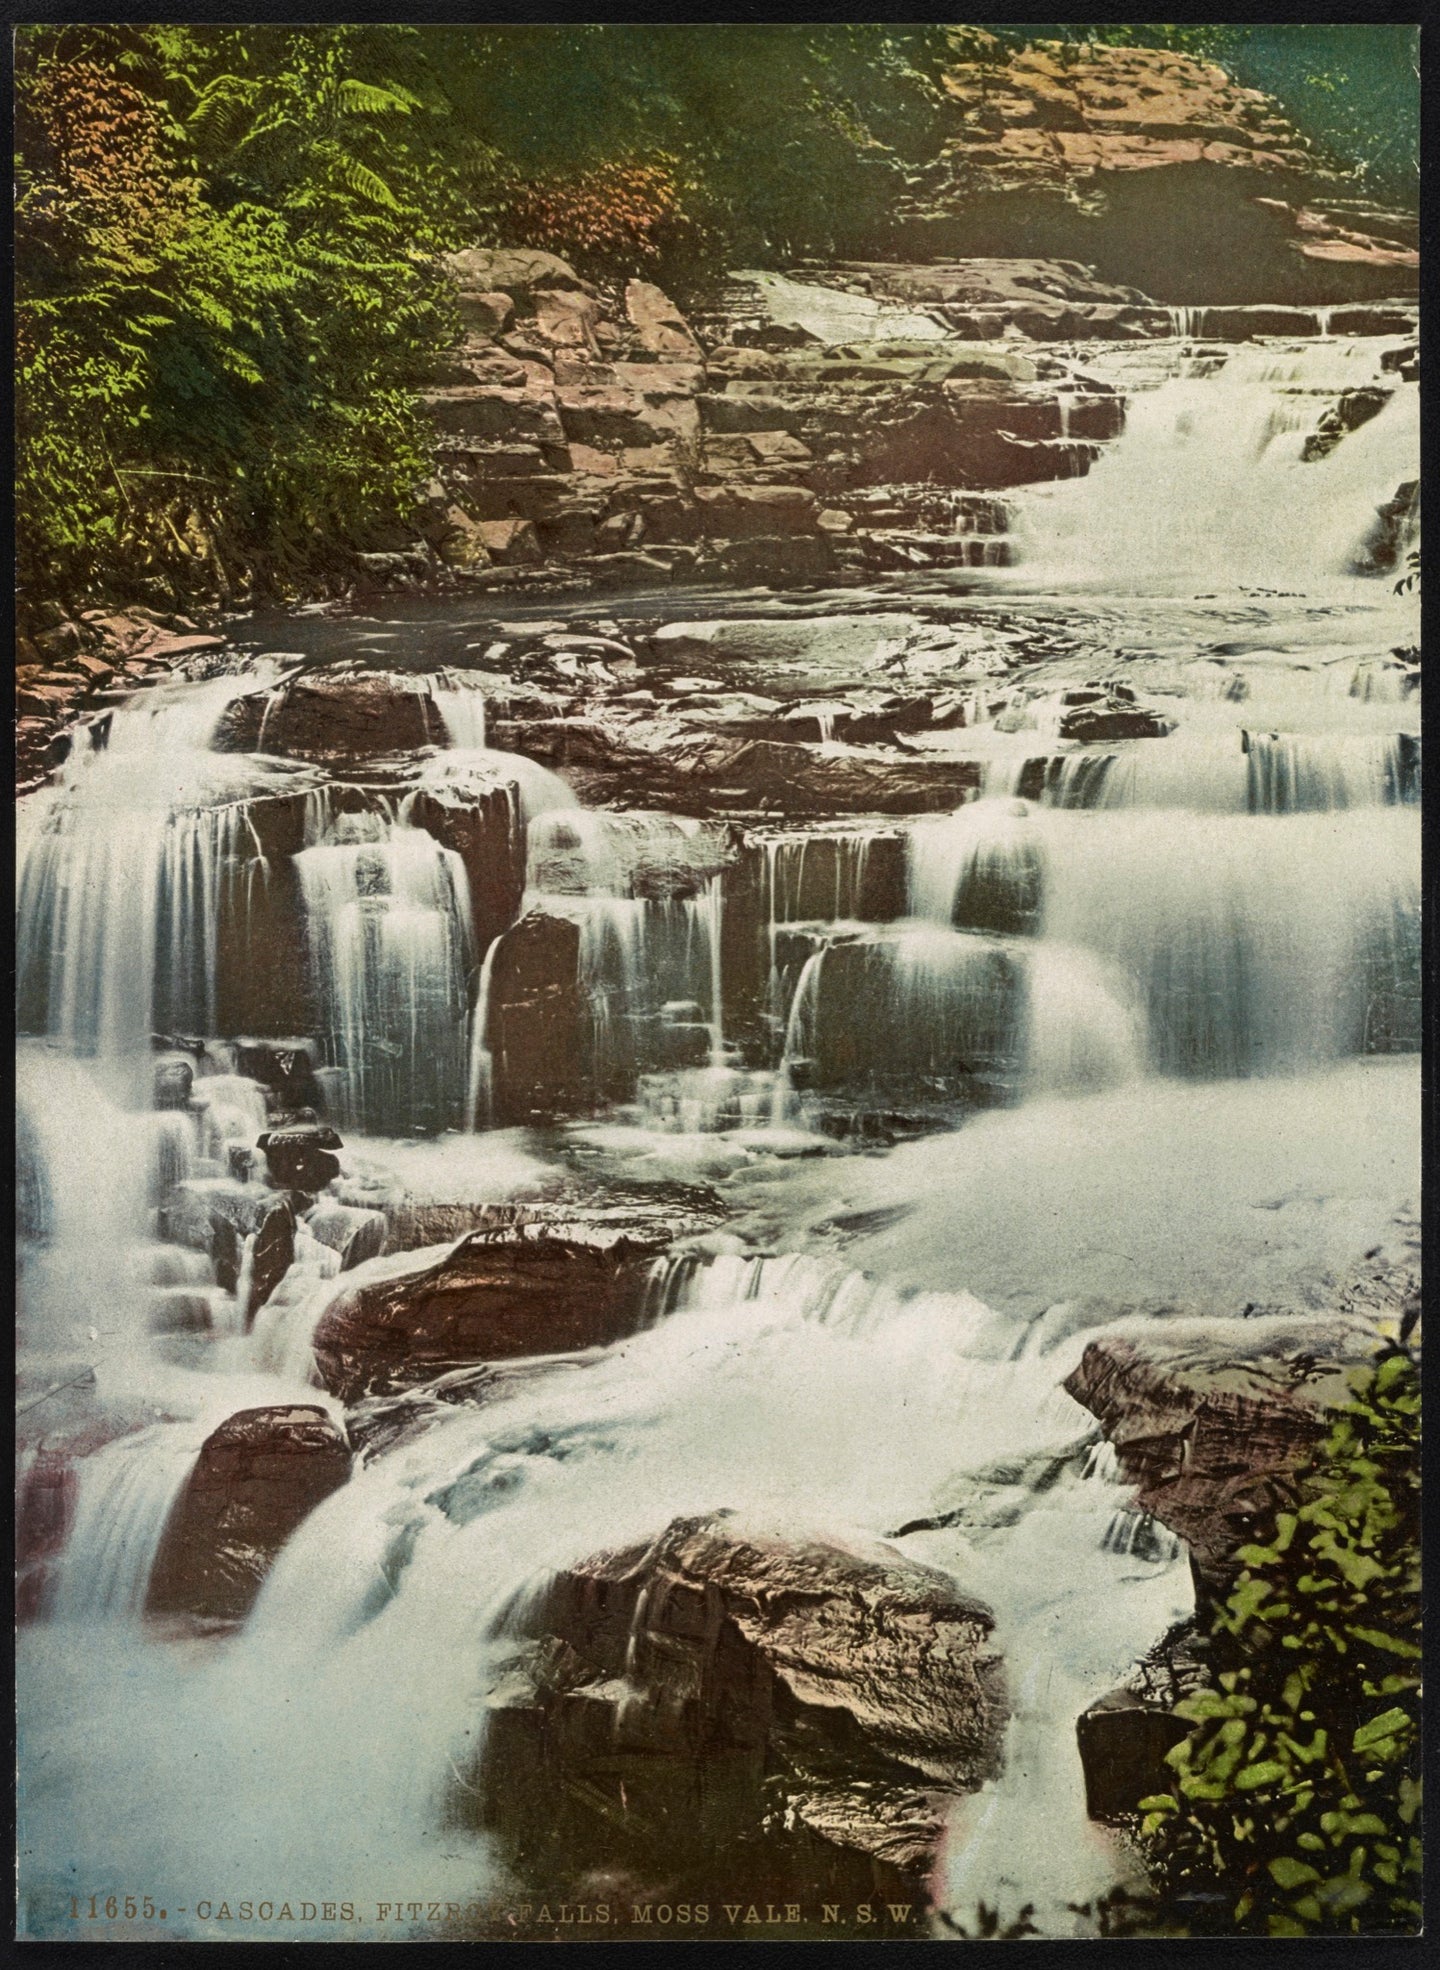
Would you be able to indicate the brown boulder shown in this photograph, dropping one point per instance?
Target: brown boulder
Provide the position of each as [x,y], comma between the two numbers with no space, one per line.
[257,1477]
[719,1707]
[514,1289]
[325,716]
[1211,1431]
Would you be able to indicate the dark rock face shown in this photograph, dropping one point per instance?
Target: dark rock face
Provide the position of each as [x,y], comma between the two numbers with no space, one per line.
[719,1707]
[538,1028]
[300,1156]
[257,1477]
[332,718]
[1123,1743]
[1211,1434]
[514,1289]
[215,1215]
[481,823]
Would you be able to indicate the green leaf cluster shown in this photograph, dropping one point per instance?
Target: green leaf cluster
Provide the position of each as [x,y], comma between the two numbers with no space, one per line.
[1297,1794]
[226,299]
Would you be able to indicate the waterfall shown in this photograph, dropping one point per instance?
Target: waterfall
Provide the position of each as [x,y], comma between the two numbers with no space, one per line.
[462,711]
[1233,961]
[1133,1002]
[123,876]
[126,1494]
[1209,483]
[1229,770]
[388,911]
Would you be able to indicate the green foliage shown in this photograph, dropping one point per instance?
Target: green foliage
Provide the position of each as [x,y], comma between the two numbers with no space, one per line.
[785,140]
[1297,1795]
[225,299]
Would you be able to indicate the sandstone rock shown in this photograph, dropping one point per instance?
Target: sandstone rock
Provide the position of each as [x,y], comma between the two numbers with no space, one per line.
[567,318]
[257,1478]
[723,1705]
[1211,1430]
[511,543]
[462,542]
[517,271]
[659,325]
[513,1290]
[1154,168]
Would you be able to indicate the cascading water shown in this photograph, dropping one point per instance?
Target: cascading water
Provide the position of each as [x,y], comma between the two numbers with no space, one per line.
[1124,949]
[1209,484]
[389,911]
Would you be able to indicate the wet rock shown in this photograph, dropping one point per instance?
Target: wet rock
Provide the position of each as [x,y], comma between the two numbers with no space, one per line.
[722,1706]
[271,1256]
[284,1068]
[538,1025]
[937,1020]
[217,1215]
[1346,414]
[174,1080]
[1212,1430]
[57,1425]
[256,1479]
[299,1157]
[1114,716]
[1123,1743]
[328,717]
[479,818]
[356,1235]
[513,1289]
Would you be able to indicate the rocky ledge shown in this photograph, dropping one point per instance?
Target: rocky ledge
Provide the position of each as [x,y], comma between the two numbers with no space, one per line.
[1156,168]
[534,1280]
[719,1706]
[256,1478]
[1213,1428]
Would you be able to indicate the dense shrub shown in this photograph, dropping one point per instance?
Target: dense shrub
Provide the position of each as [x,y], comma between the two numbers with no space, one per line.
[626,216]
[1295,1808]
[223,303]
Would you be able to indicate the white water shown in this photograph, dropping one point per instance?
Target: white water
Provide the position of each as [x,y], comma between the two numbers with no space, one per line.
[388,911]
[1207,484]
[1172,964]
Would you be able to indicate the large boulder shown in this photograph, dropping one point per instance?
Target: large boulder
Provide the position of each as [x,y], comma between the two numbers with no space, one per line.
[724,1711]
[256,1478]
[1211,1429]
[512,1289]
[329,716]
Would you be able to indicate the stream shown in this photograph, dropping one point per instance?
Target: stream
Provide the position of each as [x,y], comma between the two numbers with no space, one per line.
[1131,1039]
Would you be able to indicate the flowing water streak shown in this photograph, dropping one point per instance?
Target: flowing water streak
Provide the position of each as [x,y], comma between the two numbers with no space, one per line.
[388,910]
[1208,483]
[127,1492]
